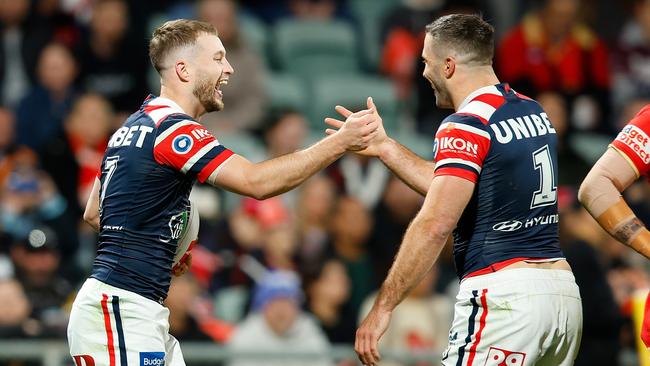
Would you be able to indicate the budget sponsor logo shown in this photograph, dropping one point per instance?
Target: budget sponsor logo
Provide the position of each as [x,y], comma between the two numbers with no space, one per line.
[637,140]
[152,358]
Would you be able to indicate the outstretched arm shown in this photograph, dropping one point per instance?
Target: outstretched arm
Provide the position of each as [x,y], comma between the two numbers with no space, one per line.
[426,236]
[416,172]
[600,193]
[276,176]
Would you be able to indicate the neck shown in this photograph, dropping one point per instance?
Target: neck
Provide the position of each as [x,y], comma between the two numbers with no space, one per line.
[470,81]
[186,100]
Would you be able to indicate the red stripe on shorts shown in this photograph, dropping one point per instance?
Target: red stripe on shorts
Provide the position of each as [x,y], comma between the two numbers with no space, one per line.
[472,350]
[109,331]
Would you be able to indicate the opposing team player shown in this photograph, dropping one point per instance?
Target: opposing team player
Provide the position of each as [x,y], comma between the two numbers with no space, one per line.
[626,159]
[147,173]
[493,179]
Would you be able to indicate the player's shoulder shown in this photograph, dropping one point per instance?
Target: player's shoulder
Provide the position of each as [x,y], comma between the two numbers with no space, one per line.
[462,124]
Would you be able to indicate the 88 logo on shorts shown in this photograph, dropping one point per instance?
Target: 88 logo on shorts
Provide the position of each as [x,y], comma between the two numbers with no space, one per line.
[501,357]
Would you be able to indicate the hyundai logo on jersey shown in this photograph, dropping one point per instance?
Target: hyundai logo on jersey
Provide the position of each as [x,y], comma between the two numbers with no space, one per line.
[182,144]
[507,226]
[152,358]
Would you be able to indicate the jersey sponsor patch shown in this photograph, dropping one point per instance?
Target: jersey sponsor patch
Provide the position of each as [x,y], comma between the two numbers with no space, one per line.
[182,144]
[187,146]
[459,150]
[637,141]
[152,358]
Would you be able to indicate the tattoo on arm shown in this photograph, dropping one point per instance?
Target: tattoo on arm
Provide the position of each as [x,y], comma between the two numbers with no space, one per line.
[627,231]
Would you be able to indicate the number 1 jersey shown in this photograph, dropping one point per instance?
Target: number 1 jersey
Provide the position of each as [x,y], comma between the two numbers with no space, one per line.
[504,143]
[148,171]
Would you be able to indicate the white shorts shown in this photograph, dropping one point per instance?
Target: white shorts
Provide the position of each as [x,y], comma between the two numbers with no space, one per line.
[516,317]
[114,327]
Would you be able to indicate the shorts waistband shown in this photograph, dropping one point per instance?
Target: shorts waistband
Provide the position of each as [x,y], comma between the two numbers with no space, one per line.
[516,274]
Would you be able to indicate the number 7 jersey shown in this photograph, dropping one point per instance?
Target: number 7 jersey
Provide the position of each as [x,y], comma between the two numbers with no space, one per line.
[148,171]
[504,143]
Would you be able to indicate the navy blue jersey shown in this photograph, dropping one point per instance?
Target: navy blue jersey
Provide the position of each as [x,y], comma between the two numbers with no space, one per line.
[505,143]
[148,171]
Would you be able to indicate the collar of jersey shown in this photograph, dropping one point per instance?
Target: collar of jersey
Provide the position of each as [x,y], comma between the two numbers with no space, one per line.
[167,102]
[490,89]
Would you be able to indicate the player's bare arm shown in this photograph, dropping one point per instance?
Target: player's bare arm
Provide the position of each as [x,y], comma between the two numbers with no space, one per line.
[416,172]
[426,236]
[279,175]
[91,213]
[600,193]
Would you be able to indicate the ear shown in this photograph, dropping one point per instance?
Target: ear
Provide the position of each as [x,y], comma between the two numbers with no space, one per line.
[182,71]
[449,67]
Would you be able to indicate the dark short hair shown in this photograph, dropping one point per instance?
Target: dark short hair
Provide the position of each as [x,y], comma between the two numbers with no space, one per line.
[467,34]
[174,34]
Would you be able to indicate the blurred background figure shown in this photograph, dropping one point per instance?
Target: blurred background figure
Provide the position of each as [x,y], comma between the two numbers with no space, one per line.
[277,324]
[41,112]
[113,64]
[631,73]
[420,323]
[73,158]
[14,310]
[552,50]
[245,96]
[328,290]
[316,202]
[22,42]
[351,226]
[37,260]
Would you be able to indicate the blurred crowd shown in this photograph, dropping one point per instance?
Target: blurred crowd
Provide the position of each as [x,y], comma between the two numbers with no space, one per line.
[297,272]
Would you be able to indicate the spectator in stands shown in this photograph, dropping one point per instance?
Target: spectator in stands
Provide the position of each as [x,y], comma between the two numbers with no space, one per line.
[246,97]
[29,199]
[402,35]
[62,25]
[113,64]
[41,112]
[278,325]
[397,208]
[360,177]
[631,78]
[351,226]
[14,309]
[74,157]
[601,318]
[314,208]
[421,322]
[285,132]
[37,260]
[573,168]
[551,50]
[182,301]
[328,290]
[21,43]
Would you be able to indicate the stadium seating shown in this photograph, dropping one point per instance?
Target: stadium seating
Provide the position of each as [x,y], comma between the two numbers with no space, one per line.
[306,47]
[370,14]
[351,91]
[286,91]
[255,33]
